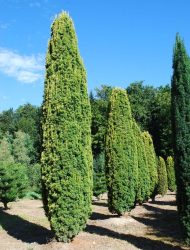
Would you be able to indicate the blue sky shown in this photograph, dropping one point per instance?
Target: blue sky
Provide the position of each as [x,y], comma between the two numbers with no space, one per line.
[120,42]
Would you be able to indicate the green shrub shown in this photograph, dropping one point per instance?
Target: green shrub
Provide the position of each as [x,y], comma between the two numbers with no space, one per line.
[33,196]
[152,163]
[34,174]
[121,154]
[13,182]
[171,174]
[162,177]
[143,180]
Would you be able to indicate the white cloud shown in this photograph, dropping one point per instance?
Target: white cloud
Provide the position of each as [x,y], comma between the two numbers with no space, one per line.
[26,69]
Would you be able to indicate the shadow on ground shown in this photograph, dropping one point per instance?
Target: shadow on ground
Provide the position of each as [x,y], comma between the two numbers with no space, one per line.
[162,222]
[169,203]
[100,216]
[24,230]
[101,204]
[139,242]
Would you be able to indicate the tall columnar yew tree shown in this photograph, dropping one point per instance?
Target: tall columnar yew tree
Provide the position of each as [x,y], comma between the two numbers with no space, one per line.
[181,130]
[143,180]
[171,173]
[162,177]
[152,163]
[121,154]
[66,154]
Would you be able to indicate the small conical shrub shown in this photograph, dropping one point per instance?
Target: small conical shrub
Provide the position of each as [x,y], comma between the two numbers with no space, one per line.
[171,174]
[162,177]
[13,182]
[66,157]
[143,180]
[152,163]
[121,154]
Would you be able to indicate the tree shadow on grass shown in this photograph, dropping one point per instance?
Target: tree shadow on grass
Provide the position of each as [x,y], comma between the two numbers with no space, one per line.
[163,222]
[24,230]
[138,241]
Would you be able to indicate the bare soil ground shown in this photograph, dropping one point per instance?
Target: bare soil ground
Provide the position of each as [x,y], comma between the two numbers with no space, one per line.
[152,226]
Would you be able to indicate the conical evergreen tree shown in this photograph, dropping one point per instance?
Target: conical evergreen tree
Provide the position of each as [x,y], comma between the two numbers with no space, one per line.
[66,156]
[162,177]
[152,163]
[121,154]
[143,180]
[171,174]
[181,130]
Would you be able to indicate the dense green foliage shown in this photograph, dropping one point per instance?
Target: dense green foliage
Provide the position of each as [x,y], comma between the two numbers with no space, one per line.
[160,124]
[142,100]
[162,177]
[22,148]
[181,131]
[99,107]
[152,163]
[25,119]
[6,150]
[66,156]
[34,174]
[20,139]
[121,154]
[99,179]
[151,110]
[171,174]
[143,180]
[13,182]
[18,150]
[7,122]
[150,107]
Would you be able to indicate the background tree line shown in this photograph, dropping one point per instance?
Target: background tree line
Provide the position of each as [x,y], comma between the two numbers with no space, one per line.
[150,108]
[20,153]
